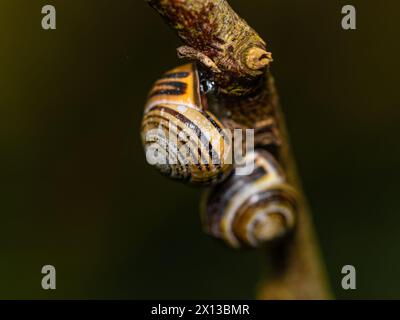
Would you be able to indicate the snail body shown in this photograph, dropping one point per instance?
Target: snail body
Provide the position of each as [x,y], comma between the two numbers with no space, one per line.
[176,125]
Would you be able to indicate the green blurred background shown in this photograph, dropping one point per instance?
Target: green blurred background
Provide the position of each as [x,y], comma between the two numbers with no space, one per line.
[77,193]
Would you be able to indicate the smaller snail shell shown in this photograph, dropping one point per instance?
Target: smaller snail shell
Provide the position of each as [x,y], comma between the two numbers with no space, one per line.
[198,151]
[251,210]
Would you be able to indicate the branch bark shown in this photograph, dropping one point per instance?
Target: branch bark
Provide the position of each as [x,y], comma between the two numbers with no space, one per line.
[217,37]
[237,59]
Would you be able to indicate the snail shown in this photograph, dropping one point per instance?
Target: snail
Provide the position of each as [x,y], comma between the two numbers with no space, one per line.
[254,209]
[181,138]
[242,210]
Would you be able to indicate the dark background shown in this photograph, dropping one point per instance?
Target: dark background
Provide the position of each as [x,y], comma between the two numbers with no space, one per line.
[77,193]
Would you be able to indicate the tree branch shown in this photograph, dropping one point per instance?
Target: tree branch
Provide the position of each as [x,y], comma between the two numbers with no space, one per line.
[237,59]
[219,39]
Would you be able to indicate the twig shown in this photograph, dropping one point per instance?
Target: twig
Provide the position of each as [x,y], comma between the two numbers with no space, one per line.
[237,59]
[219,39]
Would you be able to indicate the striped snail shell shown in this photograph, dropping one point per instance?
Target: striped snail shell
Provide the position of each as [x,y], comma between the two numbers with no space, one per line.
[251,210]
[181,138]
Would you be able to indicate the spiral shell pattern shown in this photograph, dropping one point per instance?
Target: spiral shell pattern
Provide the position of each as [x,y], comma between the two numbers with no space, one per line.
[182,139]
[251,210]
